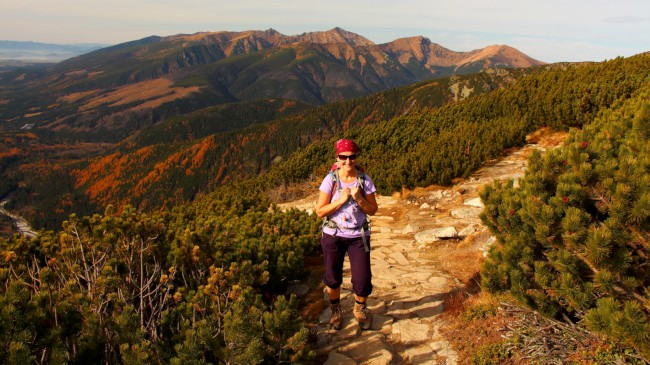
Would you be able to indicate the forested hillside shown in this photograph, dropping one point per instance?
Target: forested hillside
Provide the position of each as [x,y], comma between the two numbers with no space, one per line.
[173,162]
[201,282]
[434,146]
[405,143]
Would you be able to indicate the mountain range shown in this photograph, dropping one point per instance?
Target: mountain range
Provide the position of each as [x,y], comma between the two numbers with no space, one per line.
[127,123]
[102,90]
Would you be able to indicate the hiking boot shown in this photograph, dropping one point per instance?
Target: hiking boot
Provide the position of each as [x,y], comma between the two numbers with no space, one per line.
[336,321]
[363,316]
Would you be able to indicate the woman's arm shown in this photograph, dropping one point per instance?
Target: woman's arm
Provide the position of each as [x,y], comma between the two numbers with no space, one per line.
[368,203]
[324,207]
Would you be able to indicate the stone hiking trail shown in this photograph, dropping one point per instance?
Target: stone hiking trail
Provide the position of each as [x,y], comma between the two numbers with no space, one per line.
[425,245]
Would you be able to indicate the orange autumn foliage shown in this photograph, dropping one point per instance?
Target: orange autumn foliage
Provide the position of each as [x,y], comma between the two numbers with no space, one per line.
[200,150]
[40,168]
[189,160]
[287,104]
[104,176]
[12,152]
[27,136]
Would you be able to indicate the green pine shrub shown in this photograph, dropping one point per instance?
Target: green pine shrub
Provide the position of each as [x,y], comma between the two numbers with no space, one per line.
[199,284]
[574,237]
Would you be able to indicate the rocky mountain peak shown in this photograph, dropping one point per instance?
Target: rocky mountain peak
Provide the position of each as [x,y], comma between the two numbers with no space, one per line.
[502,55]
[335,35]
[425,52]
[422,50]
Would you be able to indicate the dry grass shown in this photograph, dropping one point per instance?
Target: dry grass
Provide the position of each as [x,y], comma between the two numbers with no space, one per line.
[71,98]
[473,323]
[487,329]
[547,137]
[156,91]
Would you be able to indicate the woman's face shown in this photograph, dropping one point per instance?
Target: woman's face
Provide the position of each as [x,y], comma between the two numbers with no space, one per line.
[346,159]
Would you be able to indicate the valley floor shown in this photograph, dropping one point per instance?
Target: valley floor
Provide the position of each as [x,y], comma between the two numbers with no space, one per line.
[21,225]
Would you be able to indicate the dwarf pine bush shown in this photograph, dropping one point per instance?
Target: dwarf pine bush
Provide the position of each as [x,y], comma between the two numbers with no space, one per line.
[574,237]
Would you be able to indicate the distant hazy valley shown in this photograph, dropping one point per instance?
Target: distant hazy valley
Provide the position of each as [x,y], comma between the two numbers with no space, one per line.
[32,52]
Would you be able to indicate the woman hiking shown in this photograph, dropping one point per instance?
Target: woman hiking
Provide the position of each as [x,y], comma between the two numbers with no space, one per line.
[346,198]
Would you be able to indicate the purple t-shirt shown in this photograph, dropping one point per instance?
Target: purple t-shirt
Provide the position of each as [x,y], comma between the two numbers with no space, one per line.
[349,217]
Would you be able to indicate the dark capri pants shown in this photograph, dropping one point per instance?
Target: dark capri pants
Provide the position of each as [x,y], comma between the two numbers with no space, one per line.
[334,249]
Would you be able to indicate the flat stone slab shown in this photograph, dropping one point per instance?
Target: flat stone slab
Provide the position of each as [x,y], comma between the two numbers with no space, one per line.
[411,330]
[419,276]
[469,230]
[400,258]
[369,348]
[427,307]
[442,349]
[380,322]
[421,355]
[466,213]
[476,202]
[440,282]
[334,358]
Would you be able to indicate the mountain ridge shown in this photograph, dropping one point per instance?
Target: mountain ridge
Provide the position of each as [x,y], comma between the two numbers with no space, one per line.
[257,40]
[194,71]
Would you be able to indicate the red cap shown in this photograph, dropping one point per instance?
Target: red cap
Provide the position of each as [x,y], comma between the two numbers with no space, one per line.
[346,145]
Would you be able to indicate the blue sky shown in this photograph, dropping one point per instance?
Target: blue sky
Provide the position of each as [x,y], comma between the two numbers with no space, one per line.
[550,30]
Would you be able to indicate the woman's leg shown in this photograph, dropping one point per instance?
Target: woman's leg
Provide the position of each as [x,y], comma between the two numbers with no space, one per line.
[333,255]
[361,281]
[360,269]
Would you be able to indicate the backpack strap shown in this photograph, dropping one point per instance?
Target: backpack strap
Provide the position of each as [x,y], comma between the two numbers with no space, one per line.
[334,173]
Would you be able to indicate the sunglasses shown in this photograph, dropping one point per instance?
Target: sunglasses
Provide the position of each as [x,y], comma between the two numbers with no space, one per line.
[344,157]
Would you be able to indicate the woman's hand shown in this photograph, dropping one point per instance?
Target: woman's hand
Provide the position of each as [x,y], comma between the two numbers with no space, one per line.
[326,206]
[345,195]
[356,193]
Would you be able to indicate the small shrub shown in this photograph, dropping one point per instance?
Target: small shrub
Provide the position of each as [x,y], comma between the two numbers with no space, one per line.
[481,306]
[606,351]
[492,354]
[455,302]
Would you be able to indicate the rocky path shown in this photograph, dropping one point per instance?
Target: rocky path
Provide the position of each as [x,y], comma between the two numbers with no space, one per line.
[424,245]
